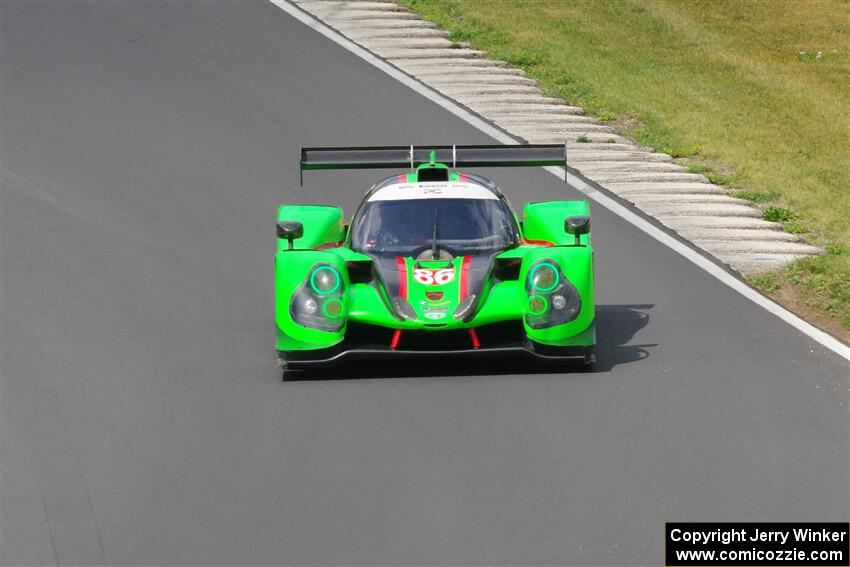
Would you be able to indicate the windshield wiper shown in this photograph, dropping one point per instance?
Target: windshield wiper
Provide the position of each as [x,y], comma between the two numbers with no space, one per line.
[434,236]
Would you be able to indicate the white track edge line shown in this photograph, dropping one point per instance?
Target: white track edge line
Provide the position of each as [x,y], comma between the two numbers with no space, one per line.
[822,337]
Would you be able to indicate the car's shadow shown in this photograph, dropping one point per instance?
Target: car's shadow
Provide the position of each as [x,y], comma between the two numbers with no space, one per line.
[616,326]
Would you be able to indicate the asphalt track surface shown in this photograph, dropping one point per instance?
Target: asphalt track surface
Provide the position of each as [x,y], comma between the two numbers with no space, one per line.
[145,147]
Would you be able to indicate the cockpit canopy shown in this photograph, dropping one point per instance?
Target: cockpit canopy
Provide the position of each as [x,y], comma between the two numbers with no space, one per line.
[433,221]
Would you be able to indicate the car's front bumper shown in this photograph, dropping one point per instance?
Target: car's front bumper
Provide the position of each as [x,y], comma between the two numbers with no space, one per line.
[500,340]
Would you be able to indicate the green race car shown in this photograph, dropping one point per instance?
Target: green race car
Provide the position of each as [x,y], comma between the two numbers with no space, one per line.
[434,261]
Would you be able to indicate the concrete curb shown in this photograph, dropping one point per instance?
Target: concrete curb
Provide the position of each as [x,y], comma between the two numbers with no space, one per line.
[707,215]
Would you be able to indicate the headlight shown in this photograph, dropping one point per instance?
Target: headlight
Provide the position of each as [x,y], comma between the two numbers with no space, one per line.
[545,277]
[332,308]
[537,305]
[552,299]
[325,280]
[559,301]
[309,305]
[319,302]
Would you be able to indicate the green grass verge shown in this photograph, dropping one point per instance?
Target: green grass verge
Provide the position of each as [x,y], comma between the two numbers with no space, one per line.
[752,94]
[757,196]
[829,288]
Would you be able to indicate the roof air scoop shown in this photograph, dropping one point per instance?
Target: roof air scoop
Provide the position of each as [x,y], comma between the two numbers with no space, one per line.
[432,174]
[432,170]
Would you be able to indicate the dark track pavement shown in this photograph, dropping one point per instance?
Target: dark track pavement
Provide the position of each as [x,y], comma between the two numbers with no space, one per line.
[145,147]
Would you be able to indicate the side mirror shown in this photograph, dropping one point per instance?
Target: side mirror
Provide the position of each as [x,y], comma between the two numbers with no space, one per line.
[577,226]
[290,230]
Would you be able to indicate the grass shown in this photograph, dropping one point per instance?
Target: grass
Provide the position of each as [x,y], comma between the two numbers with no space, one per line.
[766,282]
[829,289]
[796,228]
[754,92]
[778,214]
[713,176]
[757,196]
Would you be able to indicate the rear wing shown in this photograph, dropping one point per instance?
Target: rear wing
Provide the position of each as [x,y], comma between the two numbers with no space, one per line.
[395,157]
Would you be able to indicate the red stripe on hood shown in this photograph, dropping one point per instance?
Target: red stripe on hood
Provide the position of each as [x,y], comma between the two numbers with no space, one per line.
[401,267]
[464,278]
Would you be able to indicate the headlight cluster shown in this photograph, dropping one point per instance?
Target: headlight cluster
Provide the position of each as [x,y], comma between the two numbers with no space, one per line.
[318,303]
[552,299]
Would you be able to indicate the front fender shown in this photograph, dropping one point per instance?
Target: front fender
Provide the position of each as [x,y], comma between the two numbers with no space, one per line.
[576,264]
[545,221]
[323,224]
[292,268]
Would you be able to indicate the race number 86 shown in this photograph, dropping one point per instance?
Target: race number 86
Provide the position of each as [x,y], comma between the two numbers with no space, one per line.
[434,277]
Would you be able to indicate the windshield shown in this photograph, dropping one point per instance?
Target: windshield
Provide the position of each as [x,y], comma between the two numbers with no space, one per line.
[433,227]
